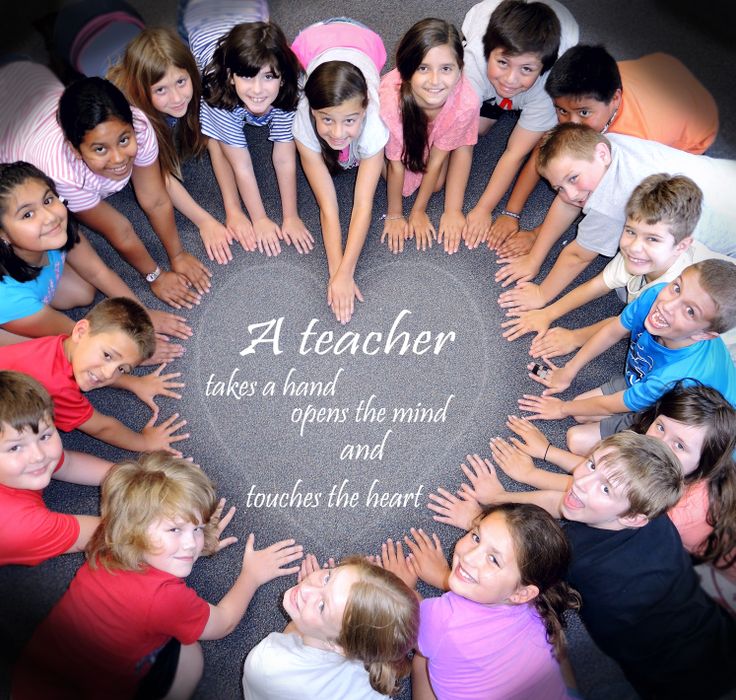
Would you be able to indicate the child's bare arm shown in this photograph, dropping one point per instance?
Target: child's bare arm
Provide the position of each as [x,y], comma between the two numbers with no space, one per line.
[148,386]
[87,526]
[421,689]
[458,510]
[420,227]
[533,442]
[82,468]
[259,567]
[559,341]
[427,559]
[520,467]
[551,408]
[452,222]
[395,230]
[293,229]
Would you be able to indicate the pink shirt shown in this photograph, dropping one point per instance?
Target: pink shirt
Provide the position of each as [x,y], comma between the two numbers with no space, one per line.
[456,125]
[29,131]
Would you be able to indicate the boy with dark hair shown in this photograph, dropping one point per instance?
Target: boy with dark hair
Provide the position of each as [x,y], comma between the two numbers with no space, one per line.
[509,49]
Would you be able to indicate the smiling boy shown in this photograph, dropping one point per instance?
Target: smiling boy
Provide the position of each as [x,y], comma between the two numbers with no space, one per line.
[510,47]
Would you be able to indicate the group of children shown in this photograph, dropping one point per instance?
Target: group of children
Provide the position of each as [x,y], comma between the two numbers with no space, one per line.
[651,478]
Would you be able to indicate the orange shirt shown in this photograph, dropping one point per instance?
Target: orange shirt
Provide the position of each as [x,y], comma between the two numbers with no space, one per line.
[663,101]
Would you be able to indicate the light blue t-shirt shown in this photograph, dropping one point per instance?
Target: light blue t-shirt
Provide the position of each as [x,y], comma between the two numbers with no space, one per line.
[21,299]
[652,369]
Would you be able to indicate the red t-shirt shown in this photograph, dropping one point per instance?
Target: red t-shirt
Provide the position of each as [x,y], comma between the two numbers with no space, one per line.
[29,532]
[44,359]
[102,637]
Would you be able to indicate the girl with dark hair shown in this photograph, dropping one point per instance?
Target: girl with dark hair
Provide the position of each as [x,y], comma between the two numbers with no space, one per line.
[90,142]
[46,266]
[498,631]
[249,77]
[338,126]
[432,113]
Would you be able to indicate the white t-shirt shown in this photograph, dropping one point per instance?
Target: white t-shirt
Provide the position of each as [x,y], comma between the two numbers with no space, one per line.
[537,110]
[282,667]
[632,160]
[375,133]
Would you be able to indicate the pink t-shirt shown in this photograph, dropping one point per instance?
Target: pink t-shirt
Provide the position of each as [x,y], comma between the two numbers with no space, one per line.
[29,131]
[456,125]
[477,652]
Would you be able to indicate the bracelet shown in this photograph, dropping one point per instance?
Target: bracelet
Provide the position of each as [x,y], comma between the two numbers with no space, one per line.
[546,451]
[506,212]
[392,218]
[151,277]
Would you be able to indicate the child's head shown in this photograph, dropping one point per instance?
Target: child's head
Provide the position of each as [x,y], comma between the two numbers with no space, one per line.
[520,43]
[626,481]
[585,86]
[253,66]
[337,94]
[30,446]
[573,158]
[97,122]
[429,59]
[157,511]
[33,220]
[159,75]
[112,339]
[718,281]
[661,215]
[361,611]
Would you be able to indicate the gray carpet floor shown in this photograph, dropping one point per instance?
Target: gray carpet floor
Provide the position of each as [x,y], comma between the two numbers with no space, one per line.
[264,444]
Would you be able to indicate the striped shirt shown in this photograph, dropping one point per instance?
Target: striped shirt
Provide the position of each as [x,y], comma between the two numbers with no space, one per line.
[29,131]
[207,21]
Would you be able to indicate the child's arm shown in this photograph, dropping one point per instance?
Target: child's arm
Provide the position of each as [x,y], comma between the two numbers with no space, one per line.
[215,237]
[551,408]
[395,228]
[392,559]
[520,144]
[82,468]
[419,224]
[235,219]
[459,509]
[87,526]
[150,191]
[148,386]
[452,222]
[562,341]
[293,229]
[427,559]
[151,438]
[266,231]
[519,466]
[539,320]
[421,688]
[259,567]
[534,443]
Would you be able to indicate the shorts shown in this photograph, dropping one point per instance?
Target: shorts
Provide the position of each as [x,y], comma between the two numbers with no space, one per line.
[157,682]
[618,421]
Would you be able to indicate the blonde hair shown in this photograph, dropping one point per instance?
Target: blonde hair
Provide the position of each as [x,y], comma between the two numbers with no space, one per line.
[24,403]
[137,493]
[380,624]
[674,200]
[128,316]
[718,280]
[144,63]
[647,470]
[573,140]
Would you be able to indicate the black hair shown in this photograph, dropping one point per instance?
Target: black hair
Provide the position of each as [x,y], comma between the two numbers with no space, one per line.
[584,71]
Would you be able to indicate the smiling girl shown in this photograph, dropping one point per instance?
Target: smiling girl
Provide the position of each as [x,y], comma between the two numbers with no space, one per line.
[432,114]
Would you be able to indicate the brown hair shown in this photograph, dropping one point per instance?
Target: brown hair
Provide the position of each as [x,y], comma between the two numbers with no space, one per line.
[570,139]
[718,280]
[144,63]
[674,200]
[413,47]
[649,474]
[24,403]
[137,493]
[128,316]
[698,405]
[519,27]
[380,624]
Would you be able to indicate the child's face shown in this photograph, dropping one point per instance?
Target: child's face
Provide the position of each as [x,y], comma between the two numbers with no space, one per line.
[176,544]
[434,79]
[259,92]
[686,441]
[682,313]
[512,75]
[28,459]
[34,221]
[586,110]
[98,359]
[339,126]
[650,249]
[172,94]
[484,565]
[109,149]
[575,179]
[593,498]
[317,604]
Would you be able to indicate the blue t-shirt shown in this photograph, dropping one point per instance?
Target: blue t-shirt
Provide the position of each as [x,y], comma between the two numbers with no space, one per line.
[651,368]
[21,299]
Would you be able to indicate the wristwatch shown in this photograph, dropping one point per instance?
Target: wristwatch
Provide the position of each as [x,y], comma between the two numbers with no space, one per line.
[153,276]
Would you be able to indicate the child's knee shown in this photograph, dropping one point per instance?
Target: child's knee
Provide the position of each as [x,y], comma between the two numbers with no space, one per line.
[582,438]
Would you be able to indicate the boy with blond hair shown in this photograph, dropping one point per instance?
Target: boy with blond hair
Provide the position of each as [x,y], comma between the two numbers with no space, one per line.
[597,174]
[102,350]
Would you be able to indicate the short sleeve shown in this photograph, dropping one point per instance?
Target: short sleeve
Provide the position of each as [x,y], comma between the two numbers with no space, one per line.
[599,233]
[222,125]
[374,137]
[646,391]
[71,408]
[633,314]
[281,126]
[17,300]
[614,274]
[433,616]
[537,110]
[178,611]
[463,119]
[146,137]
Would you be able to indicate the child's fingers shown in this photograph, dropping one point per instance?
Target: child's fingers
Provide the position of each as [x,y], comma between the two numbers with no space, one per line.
[222,544]
[225,520]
